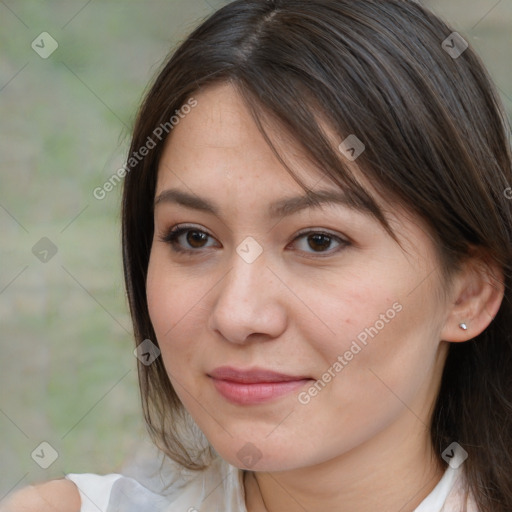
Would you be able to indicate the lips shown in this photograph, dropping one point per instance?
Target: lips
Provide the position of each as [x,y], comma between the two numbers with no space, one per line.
[254,386]
[252,376]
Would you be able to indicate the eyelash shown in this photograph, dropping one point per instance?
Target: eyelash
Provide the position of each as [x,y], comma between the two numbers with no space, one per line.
[174,233]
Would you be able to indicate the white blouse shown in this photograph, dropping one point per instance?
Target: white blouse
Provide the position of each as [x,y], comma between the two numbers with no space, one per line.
[220,488]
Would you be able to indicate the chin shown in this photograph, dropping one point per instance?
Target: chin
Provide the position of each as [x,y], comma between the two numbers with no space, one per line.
[260,455]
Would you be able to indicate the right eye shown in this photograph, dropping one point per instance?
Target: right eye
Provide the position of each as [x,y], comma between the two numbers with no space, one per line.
[195,238]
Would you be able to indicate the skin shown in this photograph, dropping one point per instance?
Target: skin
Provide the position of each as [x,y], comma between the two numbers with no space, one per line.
[294,310]
[54,496]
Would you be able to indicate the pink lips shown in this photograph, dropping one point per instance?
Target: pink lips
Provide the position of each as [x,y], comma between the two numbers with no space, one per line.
[244,387]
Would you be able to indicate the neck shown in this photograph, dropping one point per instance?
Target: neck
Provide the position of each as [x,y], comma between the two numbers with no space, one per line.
[366,478]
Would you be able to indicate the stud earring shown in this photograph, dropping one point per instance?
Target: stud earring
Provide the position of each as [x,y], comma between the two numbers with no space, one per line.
[463,326]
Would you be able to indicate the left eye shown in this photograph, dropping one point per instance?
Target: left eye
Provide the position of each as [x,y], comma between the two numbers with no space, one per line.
[317,240]
[322,241]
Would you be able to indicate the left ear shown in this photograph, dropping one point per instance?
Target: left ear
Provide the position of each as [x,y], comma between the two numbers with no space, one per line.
[477,293]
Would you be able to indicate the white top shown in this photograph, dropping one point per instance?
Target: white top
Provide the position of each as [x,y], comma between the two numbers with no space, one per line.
[220,487]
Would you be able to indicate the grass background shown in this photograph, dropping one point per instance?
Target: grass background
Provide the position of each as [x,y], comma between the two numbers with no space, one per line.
[67,371]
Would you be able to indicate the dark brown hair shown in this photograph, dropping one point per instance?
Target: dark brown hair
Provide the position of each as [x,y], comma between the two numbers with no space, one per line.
[437,143]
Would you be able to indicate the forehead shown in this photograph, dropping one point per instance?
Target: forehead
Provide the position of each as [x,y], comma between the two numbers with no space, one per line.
[220,132]
[219,139]
[217,149]
[218,146]
[220,118]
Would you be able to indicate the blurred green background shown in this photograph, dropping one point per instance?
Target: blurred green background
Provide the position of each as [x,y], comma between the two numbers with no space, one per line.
[67,370]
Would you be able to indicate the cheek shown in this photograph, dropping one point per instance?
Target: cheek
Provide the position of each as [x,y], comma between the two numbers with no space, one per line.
[174,308]
[368,370]
[346,307]
[168,295]
[375,330]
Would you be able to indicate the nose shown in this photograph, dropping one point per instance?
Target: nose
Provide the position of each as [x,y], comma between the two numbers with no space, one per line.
[250,302]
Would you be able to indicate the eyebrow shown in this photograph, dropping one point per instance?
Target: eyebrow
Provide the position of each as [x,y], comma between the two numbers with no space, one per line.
[281,208]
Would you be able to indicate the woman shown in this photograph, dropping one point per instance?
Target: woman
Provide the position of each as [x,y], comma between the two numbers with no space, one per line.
[317,238]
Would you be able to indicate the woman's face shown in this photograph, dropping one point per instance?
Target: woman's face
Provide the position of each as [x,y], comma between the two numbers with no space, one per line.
[323,295]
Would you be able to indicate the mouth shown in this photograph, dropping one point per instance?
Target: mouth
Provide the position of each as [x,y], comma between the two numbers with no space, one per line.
[254,386]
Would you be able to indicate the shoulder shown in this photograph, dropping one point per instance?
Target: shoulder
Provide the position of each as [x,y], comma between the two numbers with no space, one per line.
[91,492]
[53,496]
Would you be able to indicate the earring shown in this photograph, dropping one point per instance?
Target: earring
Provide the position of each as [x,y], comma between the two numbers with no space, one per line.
[463,326]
